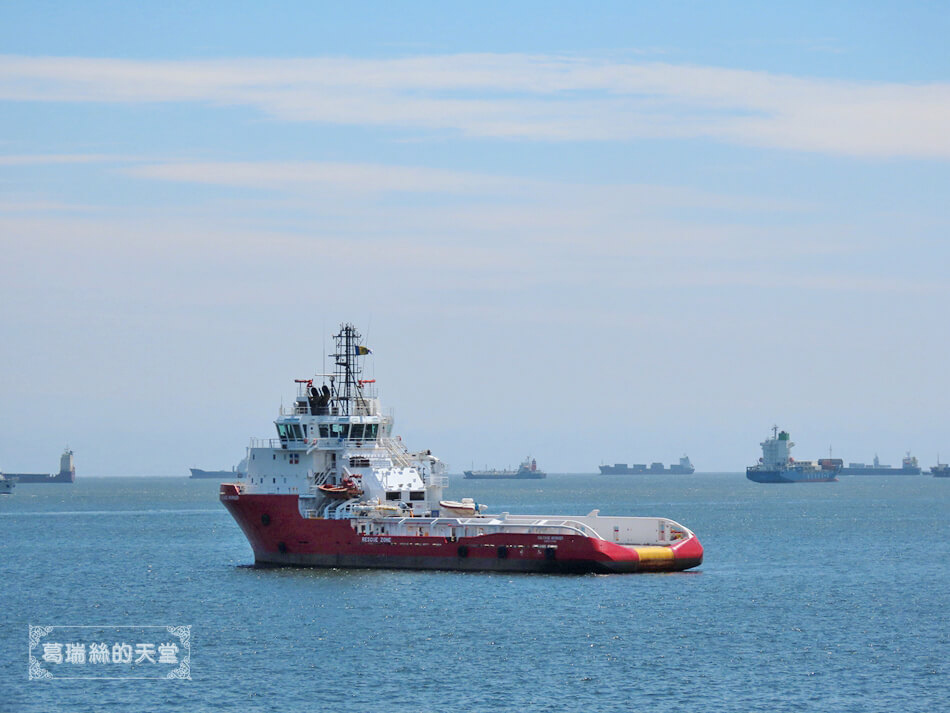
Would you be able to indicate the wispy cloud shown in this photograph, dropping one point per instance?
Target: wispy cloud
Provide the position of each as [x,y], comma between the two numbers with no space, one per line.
[46,207]
[480,212]
[323,176]
[317,177]
[511,96]
[56,159]
[574,237]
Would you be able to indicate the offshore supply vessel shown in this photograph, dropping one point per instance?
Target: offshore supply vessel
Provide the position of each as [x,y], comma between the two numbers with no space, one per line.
[684,467]
[336,488]
[66,474]
[777,465]
[528,470]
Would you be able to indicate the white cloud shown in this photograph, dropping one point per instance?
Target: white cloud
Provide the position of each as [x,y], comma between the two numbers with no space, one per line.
[522,96]
[326,176]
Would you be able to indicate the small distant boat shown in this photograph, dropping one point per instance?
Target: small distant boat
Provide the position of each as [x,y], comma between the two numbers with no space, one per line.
[941,470]
[6,486]
[466,508]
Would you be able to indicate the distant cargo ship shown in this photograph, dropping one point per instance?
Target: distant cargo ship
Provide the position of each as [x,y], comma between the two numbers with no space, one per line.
[684,467]
[238,471]
[528,470]
[777,465]
[941,470]
[67,472]
[909,466]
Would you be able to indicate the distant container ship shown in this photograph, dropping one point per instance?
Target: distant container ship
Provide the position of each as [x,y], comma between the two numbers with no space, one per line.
[909,466]
[238,471]
[67,472]
[684,467]
[528,470]
[777,465]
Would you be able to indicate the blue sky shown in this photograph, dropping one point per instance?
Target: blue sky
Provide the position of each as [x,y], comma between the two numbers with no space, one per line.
[613,232]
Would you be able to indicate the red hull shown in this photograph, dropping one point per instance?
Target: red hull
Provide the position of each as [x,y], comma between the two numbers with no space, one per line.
[280,536]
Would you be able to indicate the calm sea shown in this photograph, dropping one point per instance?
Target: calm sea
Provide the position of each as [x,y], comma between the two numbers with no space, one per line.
[813,597]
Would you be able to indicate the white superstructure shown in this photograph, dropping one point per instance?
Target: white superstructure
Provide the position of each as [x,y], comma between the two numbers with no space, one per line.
[776,451]
[336,436]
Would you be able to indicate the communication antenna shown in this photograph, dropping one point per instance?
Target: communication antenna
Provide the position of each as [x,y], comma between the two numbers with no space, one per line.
[369,326]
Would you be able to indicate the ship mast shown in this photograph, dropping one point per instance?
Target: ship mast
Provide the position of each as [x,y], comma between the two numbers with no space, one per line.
[345,383]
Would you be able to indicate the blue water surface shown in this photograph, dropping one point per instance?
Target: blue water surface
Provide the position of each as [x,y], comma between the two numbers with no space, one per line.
[812,597]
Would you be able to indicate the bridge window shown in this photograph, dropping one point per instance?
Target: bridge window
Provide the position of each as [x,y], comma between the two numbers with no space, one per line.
[417,494]
[324,430]
[338,430]
[370,433]
[393,495]
[356,431]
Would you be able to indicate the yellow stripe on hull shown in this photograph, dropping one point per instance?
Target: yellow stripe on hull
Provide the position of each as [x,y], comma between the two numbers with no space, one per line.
[653,556]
